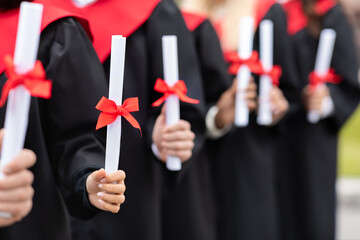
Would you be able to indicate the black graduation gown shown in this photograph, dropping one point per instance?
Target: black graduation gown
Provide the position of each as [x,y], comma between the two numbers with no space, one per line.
[246,187]
[140,216]
[188,207]
[61,133]
[308,166]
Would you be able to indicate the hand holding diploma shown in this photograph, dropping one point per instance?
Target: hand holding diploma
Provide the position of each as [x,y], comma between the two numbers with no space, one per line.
[279,104]
[16,192]
[174,140]
[226,103]
[106,191]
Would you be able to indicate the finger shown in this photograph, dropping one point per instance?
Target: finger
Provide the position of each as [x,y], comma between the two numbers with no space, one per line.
[17,195]
[116,176]
[178,145]
[1,136]
[184,155]
[16,180]
[251,95]
[179,136]
[182,125]
[24,160]
[17,210]
[112,198]
[112,187]
[109,207]
[97,176]
[251,104]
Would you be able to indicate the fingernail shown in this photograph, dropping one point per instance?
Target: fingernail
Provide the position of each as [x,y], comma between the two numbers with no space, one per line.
[101,201]
[100,194]
[103,180]
[100,186]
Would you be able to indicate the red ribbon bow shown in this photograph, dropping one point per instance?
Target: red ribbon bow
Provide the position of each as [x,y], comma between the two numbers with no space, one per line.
[34,81]
[110,111]
[178,89]
[275,74]
[236,62]
[330,77]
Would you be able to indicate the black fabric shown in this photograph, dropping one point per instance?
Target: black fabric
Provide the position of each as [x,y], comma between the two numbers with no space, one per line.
[188,207]
[245,162]
[309,151]
[140,216]
[61,133]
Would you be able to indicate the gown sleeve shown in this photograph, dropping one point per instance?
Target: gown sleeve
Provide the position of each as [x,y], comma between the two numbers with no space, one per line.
[69,117]
[214,73]
[345,95]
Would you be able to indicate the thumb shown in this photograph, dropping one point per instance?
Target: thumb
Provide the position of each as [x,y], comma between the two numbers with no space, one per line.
[97,176]
[163,109]
[1,136]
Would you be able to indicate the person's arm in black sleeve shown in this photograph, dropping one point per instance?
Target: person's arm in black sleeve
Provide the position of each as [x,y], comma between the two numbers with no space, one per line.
[70,115]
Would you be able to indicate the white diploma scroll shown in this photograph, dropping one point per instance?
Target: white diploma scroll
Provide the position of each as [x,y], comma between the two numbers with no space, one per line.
[113,138]
[266,57]
[322,64]
[246,39]
[17,110]
[171,75]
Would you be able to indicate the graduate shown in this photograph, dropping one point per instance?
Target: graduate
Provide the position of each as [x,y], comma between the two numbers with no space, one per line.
[61,130]
[245,163]
[308,166]
[144,23]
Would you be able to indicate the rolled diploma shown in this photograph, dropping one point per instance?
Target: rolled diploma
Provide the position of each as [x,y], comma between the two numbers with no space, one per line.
[171,74]
[245,49]
[266,55]
[323,61]
[113,137]
[17,109]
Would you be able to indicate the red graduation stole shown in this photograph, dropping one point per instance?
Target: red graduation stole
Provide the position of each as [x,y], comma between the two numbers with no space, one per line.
[8,28]
[110,17]
[192,20]
[262,8]
[296,18]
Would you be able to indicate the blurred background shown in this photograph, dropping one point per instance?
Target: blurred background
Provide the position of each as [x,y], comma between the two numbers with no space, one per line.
[348,185]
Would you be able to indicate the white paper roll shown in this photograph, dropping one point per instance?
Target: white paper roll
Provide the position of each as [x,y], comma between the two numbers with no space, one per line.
[245,49]
[113,138]
[17,110]
[323,61]
[266,57]
[171,75]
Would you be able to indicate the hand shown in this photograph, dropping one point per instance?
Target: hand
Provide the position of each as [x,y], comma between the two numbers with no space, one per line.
[313,97]
[106,191]
[16,192]
[226,103]
[279,104]
[176,140]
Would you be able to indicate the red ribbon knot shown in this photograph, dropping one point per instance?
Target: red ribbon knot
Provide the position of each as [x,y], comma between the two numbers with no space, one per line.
[236,62]
[178,89]
[110,111]
[330,77]
[275,74]
[34,81]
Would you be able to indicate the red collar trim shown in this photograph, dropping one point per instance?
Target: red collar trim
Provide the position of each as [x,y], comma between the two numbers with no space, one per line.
[8,28]
[192,20]
[262,8]
[110,17]
[296,18]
